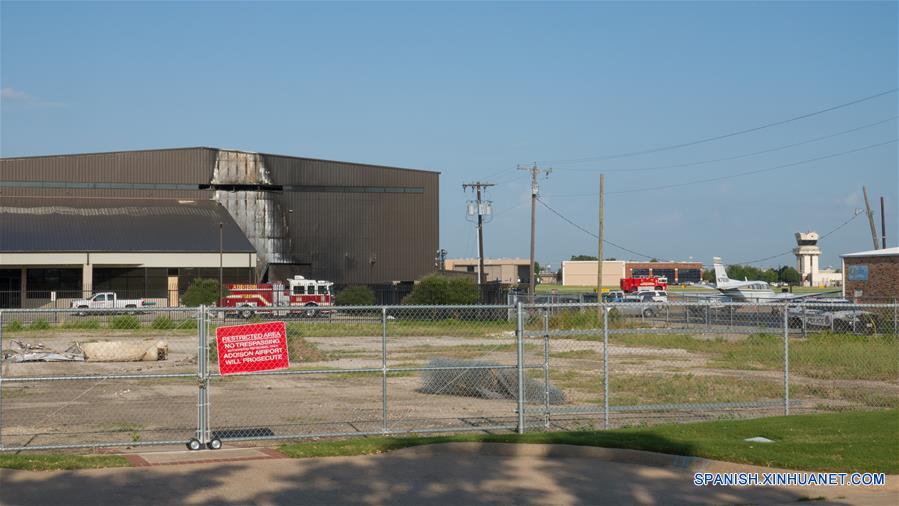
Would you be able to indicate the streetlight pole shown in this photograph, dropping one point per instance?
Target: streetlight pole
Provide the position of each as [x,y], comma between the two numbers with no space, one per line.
[221,262]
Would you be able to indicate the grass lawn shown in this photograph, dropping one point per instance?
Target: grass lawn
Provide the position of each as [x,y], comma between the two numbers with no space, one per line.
[852,441]
[844,442]
[45,462]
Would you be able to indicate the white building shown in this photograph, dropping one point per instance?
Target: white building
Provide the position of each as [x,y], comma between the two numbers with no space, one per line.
[807,253]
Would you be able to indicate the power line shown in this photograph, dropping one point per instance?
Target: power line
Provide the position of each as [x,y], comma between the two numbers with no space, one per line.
[560,215]
[723,136]
[820,238]
[582,229]
[738,174]
[737,157]
[758,171]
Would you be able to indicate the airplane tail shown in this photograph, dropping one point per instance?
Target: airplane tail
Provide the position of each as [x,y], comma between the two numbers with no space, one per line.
[721,278]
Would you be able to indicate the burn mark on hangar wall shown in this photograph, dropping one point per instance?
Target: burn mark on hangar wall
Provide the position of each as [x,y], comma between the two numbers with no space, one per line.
[244,186]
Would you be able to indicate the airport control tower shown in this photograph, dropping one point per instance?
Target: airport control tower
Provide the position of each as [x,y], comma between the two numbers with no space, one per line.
[807,253]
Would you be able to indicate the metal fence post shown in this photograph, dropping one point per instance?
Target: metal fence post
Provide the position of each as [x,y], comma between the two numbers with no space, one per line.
[384,427]
[605,368]
[708,322]
[202,378]
[519,331]
[545,369]
[786,361]
[895,317]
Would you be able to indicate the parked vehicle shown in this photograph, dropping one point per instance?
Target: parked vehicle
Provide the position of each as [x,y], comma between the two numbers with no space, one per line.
[613,296]
[653,296]
[635,305]
[630,285]
[299,296]
[835,319]
[109,302]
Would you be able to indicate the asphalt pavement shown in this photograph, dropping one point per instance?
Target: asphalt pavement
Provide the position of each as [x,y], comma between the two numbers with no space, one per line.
[458,473]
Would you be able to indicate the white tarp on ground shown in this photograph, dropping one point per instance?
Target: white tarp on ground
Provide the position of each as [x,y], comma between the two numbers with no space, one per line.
[125,351]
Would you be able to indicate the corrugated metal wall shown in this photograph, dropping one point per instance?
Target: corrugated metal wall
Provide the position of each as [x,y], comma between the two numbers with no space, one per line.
[349,237]
[368,237]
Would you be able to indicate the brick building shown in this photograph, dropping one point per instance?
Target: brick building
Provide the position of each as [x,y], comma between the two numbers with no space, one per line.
[676,272]
[871,276]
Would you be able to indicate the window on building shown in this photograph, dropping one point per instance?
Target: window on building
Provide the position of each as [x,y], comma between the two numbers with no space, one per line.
[56,280]
[127,283]
[689,275]
[664,273]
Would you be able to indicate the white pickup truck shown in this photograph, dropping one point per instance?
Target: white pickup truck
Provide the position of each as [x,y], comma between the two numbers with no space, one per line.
[109,302]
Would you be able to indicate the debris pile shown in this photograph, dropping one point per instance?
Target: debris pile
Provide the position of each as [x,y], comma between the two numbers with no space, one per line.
[100,351]
[483,379]
[24,352]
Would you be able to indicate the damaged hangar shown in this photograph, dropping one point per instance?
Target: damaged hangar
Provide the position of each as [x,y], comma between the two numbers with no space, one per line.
[345,222]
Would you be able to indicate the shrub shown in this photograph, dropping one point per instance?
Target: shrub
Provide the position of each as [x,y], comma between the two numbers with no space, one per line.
[124,322]
[14,325]
[201,291]
[39,324]
[162,323]
[356,296]
[82,324]
[439,290]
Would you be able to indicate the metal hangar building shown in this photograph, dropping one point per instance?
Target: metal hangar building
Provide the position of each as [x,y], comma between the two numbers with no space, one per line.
[146,223]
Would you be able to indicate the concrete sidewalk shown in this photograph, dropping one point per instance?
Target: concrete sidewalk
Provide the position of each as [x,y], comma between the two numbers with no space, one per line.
[457,473]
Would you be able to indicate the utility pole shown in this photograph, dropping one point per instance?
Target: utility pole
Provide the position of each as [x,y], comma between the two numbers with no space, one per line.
[871,219]
[481,211]
[599,246]
[535,171]
[883,225]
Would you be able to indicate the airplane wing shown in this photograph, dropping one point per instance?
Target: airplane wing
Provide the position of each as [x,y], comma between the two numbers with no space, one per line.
[711,295]
[794,296]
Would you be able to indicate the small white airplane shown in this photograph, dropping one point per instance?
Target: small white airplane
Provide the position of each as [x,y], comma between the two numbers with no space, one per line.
[750,291]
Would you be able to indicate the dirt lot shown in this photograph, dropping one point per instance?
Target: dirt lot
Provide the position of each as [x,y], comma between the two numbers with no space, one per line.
[691,381]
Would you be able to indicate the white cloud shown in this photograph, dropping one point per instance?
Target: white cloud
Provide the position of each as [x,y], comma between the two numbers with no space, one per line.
[24,97]
[14,94]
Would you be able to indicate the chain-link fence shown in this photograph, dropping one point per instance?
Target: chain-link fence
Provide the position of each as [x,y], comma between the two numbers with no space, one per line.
[141,376]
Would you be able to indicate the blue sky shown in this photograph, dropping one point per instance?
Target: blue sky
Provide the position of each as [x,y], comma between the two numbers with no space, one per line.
[473,89]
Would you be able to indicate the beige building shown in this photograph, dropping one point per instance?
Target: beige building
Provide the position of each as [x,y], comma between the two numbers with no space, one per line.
[583,272]
[505,270]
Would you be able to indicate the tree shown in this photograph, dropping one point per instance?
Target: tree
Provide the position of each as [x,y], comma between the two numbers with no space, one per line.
[438,290]
[537,267]
[653,260]
[708,275]
[356,296]
[201,291]
[789,275]
[582,257]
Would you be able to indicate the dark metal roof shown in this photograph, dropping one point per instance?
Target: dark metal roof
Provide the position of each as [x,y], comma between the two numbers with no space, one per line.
[117,225]
[207,148]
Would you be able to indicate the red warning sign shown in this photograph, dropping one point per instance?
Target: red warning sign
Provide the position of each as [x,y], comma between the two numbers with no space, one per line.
[252,348]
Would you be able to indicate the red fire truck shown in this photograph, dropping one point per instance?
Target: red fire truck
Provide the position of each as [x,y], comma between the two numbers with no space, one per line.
[630,285]
[298,296]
